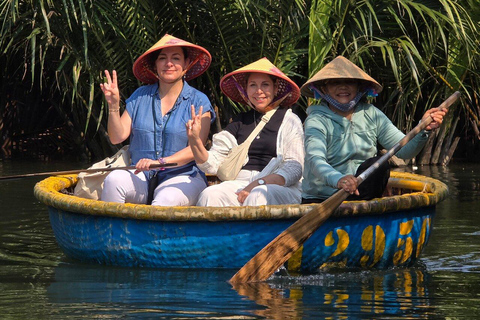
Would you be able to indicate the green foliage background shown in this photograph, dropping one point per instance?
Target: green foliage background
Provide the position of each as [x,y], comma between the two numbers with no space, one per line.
[53,54]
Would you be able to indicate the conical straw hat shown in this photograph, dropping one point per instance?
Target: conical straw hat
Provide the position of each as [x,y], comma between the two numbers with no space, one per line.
[340,68]
[143,66]
[230,82]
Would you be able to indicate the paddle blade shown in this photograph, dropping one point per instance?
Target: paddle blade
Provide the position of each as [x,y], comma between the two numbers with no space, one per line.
[280,249]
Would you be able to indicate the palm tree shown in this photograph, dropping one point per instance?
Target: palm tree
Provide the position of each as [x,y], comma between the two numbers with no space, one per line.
[55,53]
[420,51]
[63,47]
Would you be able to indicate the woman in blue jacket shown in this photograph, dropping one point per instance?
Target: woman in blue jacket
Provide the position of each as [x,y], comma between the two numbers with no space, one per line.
[342,132]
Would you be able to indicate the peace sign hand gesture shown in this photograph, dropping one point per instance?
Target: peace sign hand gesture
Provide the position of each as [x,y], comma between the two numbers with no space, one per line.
[194,126]
[110,90]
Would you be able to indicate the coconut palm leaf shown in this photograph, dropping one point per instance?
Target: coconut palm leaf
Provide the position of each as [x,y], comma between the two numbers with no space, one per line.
[412,48]
[55,52]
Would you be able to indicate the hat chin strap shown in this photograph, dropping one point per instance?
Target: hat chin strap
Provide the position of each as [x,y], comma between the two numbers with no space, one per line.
[191,65]
[242,92]
[344,107]
[276,103]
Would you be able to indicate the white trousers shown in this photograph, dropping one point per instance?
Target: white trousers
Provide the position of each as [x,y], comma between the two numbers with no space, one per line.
[125,186]
[224,193]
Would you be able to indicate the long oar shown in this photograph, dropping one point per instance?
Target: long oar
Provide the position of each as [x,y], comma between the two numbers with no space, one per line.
[57,173]
[280,249]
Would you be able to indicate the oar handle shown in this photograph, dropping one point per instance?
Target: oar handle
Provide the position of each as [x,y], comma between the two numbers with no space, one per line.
[59,173]
[409,136]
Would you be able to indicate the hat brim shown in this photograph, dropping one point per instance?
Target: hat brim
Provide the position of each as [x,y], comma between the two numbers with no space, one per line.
[143,66]
[339,68]
[285,86]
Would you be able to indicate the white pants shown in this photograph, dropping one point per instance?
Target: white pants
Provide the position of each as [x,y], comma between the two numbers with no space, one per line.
[224,194]
[125,186]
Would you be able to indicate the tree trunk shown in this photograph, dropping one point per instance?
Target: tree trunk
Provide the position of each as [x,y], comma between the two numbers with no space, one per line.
[449,155]
[426,154]
[446,147]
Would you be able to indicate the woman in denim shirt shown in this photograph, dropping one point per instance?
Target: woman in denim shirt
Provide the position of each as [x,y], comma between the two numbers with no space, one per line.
[154,120]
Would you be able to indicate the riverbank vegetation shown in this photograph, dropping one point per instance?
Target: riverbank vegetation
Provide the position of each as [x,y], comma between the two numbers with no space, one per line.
[54,54]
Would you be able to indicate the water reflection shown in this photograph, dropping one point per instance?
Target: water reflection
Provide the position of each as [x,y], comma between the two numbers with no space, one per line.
[199,294]
[145,293]
[463,180]
[456,226]
[280,304]
[343,295]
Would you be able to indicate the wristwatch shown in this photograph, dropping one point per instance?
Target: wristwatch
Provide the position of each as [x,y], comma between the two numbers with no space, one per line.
[261,182]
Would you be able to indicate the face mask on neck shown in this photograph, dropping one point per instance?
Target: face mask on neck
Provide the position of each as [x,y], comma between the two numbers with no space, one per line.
[344,107]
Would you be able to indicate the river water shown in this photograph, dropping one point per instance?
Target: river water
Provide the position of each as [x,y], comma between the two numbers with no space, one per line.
[38,282]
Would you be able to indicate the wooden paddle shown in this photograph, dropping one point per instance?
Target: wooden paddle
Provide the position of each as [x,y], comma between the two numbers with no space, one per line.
[57,173]
[280,249]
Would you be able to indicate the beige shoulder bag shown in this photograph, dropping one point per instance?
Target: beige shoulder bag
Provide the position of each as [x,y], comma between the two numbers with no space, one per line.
[237,156]
[90,185]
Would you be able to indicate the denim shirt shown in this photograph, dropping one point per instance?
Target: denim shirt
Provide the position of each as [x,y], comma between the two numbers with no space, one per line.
[154,136]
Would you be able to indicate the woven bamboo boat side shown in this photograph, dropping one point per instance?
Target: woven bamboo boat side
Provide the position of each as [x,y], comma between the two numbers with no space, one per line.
[422,191]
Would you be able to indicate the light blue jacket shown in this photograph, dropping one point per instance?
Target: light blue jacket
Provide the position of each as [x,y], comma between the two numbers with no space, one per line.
[336,146]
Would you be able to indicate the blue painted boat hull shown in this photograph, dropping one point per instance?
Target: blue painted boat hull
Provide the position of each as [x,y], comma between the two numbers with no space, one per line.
[379,241]
[376,234]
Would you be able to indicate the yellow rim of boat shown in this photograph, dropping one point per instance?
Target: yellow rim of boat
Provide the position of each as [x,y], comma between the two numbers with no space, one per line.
[425,191]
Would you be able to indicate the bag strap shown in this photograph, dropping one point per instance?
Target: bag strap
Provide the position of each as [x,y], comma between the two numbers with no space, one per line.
[265,118]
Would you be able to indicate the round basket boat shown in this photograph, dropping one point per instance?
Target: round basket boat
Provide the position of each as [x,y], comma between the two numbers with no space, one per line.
[380,233]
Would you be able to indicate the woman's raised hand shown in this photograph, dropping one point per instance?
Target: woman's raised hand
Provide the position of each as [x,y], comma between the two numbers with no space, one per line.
[110,90]
[194,126]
